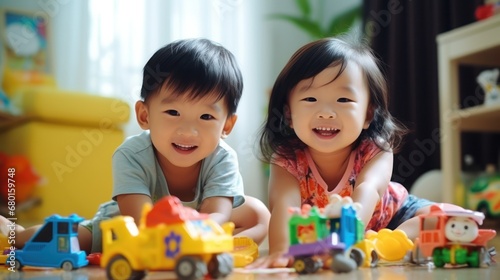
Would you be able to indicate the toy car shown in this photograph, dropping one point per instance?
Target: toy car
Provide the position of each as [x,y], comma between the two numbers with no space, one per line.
[450,235]
[484,195]
[55,244]
[170,237]
[316,233]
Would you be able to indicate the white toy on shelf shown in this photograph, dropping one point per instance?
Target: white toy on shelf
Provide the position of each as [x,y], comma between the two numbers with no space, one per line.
[487,79]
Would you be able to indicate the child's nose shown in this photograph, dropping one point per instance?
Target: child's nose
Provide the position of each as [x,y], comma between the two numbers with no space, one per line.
[187,130]
[327,114]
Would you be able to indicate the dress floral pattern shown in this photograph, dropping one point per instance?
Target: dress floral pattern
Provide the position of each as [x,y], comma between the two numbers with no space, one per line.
[313,190]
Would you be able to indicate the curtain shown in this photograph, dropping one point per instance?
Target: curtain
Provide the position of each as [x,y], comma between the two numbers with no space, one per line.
[403,35]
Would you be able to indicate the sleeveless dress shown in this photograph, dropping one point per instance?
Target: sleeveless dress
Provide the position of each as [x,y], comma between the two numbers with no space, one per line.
[314,191]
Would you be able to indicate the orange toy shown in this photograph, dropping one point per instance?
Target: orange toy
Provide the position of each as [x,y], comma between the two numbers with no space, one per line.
[23,177]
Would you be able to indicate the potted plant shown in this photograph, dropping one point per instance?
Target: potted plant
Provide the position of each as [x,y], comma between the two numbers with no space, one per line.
[314,26]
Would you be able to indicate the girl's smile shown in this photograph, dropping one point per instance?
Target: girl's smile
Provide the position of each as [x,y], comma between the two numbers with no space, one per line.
[326,133]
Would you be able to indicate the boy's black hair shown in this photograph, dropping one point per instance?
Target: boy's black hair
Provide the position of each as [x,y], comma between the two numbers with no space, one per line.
[197,66]
[276,137]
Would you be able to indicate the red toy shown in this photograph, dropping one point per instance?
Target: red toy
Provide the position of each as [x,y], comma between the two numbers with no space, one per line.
[94,258]
[23,177]
[487,10]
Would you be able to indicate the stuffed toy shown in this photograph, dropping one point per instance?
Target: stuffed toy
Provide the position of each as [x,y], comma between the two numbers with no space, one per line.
[487,79]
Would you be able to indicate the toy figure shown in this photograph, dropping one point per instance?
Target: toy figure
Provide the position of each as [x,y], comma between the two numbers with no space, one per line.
[487,79]
[461,229]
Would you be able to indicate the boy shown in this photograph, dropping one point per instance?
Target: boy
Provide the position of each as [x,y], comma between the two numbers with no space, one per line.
[189,96]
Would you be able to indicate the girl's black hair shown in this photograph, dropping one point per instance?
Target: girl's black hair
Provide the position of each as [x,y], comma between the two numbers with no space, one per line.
[276,137]
[197,66]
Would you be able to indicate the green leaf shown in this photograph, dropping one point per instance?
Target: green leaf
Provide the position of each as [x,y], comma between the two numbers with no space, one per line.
[304,7]
[311,27]
[344,21]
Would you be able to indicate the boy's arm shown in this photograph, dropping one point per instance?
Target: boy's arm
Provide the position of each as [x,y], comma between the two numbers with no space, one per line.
[132,204]
[372,183]
[218,207]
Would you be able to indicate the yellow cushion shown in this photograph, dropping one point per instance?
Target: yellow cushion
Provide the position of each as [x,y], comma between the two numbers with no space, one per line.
[71,107]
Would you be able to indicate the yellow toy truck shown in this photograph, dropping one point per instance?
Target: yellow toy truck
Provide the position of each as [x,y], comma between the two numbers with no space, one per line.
[169,237]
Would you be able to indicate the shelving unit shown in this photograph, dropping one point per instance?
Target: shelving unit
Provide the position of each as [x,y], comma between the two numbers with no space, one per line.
[475,44]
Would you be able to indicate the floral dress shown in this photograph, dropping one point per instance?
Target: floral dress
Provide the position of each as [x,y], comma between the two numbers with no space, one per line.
[314,191]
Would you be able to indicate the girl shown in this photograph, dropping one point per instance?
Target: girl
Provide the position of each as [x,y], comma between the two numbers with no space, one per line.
[329,131]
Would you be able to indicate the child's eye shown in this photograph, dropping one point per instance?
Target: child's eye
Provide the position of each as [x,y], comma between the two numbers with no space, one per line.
[207,117]
[309,99]
[344,100]
[172,112]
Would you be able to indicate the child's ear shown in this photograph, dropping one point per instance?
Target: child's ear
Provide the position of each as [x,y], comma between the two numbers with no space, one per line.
[370,112]
[142,115]
[228,126]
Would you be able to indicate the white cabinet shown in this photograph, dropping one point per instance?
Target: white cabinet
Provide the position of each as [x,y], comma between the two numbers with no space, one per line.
[475,44]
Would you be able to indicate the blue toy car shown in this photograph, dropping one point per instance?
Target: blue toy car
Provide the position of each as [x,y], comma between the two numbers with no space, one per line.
[55,244]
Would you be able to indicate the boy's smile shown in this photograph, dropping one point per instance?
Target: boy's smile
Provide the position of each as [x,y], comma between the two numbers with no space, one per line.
[184,148]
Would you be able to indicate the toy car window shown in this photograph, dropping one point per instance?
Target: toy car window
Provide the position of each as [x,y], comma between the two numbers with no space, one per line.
[74,227]
[44,234]
[62,228]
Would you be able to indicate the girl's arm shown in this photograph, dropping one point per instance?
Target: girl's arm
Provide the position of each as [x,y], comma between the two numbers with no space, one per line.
[372,182]
[284,193]
[132,204]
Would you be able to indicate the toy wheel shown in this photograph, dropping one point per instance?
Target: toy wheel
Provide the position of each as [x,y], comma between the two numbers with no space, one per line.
[305,265]
[341,263]
[190,268]
[374,258]
[17,265]
[358,256]
[67,266]
[220,265]
[437,257]
[299,265]
[119,268]
[416,256]
[473,258]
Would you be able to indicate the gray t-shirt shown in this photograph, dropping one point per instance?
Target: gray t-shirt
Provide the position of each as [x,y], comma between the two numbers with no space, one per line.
[136,170]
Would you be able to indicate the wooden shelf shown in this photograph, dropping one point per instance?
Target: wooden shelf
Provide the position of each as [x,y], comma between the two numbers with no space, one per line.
[475,44]
[478,119]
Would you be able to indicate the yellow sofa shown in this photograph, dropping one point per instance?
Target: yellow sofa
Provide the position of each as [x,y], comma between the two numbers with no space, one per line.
[69,139]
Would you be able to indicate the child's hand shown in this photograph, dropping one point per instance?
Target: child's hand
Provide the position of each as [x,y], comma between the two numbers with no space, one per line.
[273,260]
